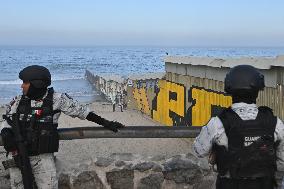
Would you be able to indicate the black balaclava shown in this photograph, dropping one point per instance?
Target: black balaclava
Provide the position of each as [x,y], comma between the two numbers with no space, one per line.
[36,93]
[245,96]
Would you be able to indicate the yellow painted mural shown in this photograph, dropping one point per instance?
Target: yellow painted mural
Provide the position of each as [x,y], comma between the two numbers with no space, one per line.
[171,97]
[142,101]
[169,103]
[204,100]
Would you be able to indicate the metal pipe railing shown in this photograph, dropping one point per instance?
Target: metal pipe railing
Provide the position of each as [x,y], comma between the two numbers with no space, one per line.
[127,132]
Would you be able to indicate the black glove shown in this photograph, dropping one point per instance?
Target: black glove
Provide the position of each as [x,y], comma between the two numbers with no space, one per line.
[111,125]
[8,139]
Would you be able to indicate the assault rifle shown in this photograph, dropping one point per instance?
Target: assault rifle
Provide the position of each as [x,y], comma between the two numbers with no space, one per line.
[22,159]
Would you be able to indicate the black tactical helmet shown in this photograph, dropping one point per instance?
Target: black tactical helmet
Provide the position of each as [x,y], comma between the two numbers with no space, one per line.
[244,78]
[38,76]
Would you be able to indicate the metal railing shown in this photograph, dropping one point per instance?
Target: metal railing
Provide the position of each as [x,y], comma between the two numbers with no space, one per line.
[127,132]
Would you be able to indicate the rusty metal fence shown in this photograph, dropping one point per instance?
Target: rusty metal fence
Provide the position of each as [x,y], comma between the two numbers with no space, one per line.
[127,132]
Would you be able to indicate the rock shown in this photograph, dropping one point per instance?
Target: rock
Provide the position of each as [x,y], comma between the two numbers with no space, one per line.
[202,162]
[128,167]
[104,162]
[83,166]
[64,181]
[179,163]
[184,176]
[176,157]
[153,181]
[157,168]
[158,158]
[192,157]
[144,166]
[120,179]
[86,180]
[122,156]
[119,163]
[182,171]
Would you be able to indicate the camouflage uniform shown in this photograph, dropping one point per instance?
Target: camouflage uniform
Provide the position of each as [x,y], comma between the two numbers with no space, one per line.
[214,132]
[43,165]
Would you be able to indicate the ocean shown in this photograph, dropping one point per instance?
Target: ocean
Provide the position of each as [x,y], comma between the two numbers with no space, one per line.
[68,64]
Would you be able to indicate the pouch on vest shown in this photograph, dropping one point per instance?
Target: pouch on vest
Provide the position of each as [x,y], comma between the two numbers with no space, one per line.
[251,147]
[256,160]
[38,127]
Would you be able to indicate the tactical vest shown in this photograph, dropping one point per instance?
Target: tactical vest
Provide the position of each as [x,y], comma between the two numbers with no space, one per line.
[251,148]
[37,125]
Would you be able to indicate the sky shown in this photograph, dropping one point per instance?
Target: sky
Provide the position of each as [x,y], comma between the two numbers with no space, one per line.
[193,23]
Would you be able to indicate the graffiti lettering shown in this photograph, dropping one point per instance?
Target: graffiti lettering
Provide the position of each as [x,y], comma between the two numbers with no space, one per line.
[169,103]
[140,97]
[170,99]
[204,104]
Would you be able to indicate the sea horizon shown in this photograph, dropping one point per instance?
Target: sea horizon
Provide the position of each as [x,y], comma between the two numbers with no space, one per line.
[68,64]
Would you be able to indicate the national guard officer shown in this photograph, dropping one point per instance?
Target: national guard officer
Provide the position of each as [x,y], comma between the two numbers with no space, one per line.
[246,140]
[38,110]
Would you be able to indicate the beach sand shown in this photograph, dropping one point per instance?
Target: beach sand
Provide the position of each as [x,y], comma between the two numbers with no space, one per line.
[72,153]
[87,149]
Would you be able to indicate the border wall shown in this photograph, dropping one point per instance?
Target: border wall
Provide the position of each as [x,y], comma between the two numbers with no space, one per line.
[192,89]
[108,86]
[209,74]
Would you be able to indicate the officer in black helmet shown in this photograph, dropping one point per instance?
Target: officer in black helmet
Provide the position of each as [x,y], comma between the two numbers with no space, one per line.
[38,78]
[246,141]
[39,109]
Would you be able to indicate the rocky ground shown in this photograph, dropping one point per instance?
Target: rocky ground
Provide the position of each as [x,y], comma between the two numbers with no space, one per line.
[129,171]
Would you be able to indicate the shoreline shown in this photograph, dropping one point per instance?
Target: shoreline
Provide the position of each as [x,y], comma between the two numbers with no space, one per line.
[79,89]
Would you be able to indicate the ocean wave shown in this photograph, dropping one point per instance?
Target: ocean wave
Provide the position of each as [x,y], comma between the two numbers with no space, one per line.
[11,82]
[18,81]
[66,78]
[80,94]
